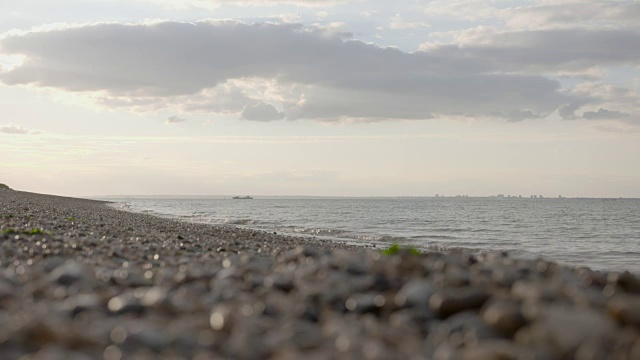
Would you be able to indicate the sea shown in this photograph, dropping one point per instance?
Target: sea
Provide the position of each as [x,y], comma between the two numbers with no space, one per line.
[603,234]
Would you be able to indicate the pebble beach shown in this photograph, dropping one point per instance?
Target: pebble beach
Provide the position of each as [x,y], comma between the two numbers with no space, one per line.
[80,279]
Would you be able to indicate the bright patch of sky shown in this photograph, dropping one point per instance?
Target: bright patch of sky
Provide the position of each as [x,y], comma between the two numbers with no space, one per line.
[327,97]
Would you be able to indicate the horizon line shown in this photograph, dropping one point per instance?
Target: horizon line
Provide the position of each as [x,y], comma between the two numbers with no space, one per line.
[365,196]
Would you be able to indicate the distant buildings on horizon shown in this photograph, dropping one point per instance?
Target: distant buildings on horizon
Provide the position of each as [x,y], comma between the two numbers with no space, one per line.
[501,196]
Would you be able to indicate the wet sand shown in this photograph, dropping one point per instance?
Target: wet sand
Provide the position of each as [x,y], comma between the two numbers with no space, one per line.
[82,280]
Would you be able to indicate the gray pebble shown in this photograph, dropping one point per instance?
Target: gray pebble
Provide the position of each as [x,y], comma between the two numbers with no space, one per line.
[415,293]
[69,272]
[625,309]
[564,329]
[448,301]
[504,316]
[125,303]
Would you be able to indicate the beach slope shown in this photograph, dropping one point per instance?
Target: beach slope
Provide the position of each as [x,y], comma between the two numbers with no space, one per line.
[80,279]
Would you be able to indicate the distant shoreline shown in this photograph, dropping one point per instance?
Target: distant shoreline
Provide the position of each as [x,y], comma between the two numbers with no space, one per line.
[293,197]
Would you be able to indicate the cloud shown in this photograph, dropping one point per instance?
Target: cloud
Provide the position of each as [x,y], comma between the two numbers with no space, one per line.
[463,9]
[213,4]
[539,14]
[611,102]
[544,50]
[568,112]
[261,112]
[15,130]
[398,23]
[603,114]
[174,120]
[616,127]
[587,13]
[309,72]
[169,58]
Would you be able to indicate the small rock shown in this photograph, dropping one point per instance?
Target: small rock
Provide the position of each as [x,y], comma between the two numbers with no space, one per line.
[415,293]
[302,334]
[69,272]
[492,350]
[448,301]
[625,309]
[504,276]
[83,302]
[53,262]
[563,329]
[420,318]
[504,316]
[463,329]
[627,281]
[592,351]
[147,338]
[125,303]
[364,303]
[306,251]
[221,318]
[454,276]
[6,289]
[535,290]
[246,341]
[280,281]
[43,332]
[154,296]
[635,350]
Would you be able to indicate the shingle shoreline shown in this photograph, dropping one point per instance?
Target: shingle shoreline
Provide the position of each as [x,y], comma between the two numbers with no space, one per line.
[94,282]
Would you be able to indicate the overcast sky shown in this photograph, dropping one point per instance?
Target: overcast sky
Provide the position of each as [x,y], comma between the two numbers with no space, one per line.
[301,97]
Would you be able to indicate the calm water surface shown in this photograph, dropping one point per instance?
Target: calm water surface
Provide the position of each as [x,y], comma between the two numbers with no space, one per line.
[599,233]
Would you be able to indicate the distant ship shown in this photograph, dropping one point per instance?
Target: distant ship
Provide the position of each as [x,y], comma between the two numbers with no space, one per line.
[242,197]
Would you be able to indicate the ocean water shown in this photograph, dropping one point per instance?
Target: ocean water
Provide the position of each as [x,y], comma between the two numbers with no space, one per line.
[603,234]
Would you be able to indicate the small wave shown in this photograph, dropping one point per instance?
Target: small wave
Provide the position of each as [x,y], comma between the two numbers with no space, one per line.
[239,221]
[441,247]
[121,205]
[197,216]
[450,229]
[618,253]
[439,237]
[310,231]
[592,236]
[485,230]
[380,238]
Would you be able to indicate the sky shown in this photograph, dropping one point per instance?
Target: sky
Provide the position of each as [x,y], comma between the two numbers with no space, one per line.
[322,97]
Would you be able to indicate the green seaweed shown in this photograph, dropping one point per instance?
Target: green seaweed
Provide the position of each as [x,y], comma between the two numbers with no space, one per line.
[34,231]
[9,231]
[392,250]
[71,218]
[395,248]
